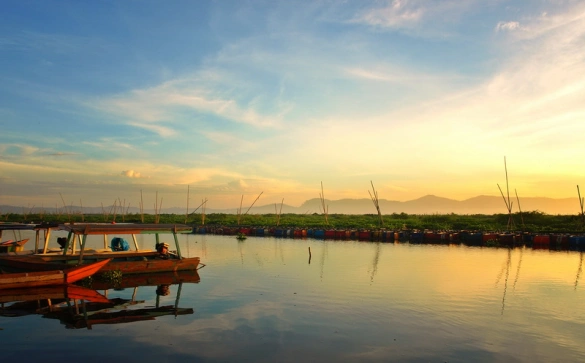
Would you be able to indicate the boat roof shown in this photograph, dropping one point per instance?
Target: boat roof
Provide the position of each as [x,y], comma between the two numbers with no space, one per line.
[16,226]
[125,228]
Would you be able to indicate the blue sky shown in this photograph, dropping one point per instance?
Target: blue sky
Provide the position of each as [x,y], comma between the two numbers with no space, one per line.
[100,100]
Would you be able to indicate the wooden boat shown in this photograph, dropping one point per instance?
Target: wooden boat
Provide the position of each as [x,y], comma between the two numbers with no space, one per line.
[12,246]
[127,262]
[48,278]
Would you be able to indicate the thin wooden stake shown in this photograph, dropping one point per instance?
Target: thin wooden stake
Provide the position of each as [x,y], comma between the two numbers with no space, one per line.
[255,200]
[65,206]
[520,209]
[376,202]
[203,212]
[187,212]
[141,207]
[323,206]
[581,202]
[240,209]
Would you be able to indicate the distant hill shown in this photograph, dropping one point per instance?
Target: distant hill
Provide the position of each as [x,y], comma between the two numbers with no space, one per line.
[429,204]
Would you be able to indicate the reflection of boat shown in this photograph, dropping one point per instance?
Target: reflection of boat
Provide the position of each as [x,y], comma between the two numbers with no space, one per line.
[54,293]
[152,279]
[80,321]
[126,261]
[12,246]
[78,307]
[48,278]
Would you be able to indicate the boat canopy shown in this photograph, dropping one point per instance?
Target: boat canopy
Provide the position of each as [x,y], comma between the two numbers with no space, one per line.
[82,230]
[124,228]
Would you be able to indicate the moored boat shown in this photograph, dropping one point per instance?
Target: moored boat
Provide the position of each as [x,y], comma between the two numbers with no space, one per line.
[49,278]
[13,246]
[125,260]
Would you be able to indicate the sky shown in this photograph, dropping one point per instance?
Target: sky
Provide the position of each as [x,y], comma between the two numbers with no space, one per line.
[242,102]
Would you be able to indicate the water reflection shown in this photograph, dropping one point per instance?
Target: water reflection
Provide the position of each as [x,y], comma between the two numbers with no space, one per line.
[79,307]
[356,301]
[579,270]
[375,262]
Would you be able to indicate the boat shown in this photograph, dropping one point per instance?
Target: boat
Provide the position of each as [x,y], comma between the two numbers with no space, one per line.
[125,260]
[48,278]
[12,246]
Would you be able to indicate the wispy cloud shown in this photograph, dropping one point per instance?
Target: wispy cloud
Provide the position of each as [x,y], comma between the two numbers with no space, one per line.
[398,13]
[507,26]
[133,174]
[174,102]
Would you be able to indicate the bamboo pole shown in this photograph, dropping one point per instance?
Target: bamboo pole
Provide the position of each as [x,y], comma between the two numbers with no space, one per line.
[255,200]
[187,211]
[509,208]
[200,205]
[581,203]
[510,219]
[376,202]
[323,206]
[278,214]
[240,209]
[156,207]
[520,210]
[115,208]
[65,206]
[141,207]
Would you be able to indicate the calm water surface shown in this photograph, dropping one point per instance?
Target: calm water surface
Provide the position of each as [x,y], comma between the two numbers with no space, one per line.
[269,300]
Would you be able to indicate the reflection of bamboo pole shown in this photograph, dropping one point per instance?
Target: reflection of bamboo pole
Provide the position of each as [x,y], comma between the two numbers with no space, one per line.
[579,270]
[509,262]
[309,255]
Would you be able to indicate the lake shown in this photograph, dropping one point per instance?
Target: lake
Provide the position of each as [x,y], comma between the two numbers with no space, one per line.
[269,299]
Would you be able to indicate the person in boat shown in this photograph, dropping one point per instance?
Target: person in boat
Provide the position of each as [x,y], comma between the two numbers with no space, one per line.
[62,241]
[163,290]
[163,250]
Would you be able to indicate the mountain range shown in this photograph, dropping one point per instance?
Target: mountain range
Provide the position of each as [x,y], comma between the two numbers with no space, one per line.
[428,204]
